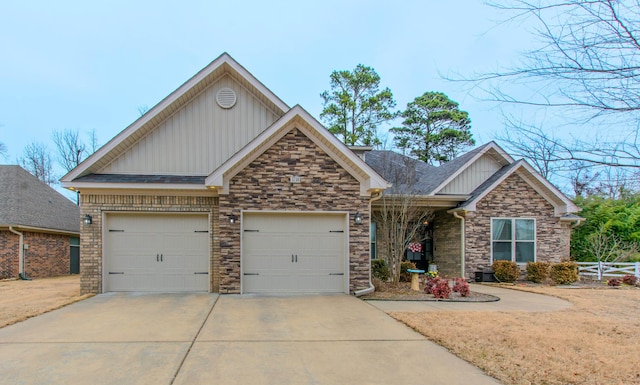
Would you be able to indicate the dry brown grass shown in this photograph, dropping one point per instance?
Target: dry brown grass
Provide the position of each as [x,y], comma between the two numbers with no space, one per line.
[20,300]
[594,342]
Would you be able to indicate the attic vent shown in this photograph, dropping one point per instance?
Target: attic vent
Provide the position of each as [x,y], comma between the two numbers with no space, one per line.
[226,98]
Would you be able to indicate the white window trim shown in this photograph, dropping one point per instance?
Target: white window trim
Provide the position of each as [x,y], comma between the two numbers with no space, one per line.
[513,240]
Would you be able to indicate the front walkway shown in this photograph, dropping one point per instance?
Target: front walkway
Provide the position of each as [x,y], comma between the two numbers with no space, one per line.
[510,300]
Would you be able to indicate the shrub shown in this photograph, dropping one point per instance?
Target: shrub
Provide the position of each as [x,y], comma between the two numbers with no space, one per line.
[461,286]
[537,271]
[380,270]
[439,287]
[630,280]
[404,266]
[564,273]
[506,271]
[615,282]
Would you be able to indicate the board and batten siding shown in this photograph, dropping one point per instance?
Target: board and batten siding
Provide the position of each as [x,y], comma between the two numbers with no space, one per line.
[199,137]
[473,176]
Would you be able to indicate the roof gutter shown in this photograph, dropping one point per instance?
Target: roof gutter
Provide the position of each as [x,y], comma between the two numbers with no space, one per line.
[20,253]
[374,197]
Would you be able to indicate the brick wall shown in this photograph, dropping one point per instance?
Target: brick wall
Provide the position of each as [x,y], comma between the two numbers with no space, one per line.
[9,247]
[48,255]
[446,244]
[265,185]
[91,235]
[511,199]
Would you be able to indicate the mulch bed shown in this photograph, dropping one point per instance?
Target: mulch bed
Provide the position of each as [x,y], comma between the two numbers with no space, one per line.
[402,292]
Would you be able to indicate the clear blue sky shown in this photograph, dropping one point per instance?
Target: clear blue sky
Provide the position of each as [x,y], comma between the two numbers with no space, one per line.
[90,65]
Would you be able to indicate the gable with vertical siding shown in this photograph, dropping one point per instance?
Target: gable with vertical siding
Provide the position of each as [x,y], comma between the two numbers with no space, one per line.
[473,176]
[199,137]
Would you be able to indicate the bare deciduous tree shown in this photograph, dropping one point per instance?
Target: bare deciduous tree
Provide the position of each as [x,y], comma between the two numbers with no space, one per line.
[399,216]
[71,150]
[587,66]
[93,141]
[3,150]
[37,160]
[607,247]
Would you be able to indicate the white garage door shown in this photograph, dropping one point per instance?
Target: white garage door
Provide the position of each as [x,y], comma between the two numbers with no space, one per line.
[293,253]
[158,253]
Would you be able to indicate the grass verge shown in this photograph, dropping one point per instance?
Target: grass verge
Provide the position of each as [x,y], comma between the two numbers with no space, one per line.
[593,342]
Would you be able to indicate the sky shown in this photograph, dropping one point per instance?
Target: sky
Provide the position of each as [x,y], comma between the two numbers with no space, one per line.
[90,65]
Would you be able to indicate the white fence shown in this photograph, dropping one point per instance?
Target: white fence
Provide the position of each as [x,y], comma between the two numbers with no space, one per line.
[609,269]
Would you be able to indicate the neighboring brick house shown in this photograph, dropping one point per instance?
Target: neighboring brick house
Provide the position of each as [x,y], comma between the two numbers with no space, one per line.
[486,206]
[39,228]
[222,187]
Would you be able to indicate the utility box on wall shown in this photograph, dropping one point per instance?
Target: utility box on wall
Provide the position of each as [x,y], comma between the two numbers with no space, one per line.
[485,276]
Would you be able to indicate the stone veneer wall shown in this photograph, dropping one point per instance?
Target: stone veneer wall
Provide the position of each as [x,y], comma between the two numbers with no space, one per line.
[446,244]
[48,255]
[91,235]
[265,185]
[514,198]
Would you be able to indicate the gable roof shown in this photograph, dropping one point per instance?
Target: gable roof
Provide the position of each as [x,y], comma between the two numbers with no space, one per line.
[561,203]
[26,201]
[223,65]
[299,118]
[394,168]
[427,181]
[448,171]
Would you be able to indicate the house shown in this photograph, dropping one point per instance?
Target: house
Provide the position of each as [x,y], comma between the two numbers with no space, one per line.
[39,228]
[223,187]
[485,206]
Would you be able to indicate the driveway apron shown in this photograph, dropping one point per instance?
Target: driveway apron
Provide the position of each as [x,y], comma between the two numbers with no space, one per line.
[206,339]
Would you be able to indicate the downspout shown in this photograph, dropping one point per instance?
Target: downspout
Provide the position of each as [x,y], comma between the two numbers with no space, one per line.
[455,214]
[20,253]
[374,197]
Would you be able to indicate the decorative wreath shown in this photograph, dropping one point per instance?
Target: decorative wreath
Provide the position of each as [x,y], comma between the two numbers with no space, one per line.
[415,247]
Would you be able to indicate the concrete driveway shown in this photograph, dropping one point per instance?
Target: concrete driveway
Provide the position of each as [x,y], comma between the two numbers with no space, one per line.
[205,338]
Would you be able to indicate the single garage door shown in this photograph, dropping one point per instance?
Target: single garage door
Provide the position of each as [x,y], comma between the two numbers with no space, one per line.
[294,253]
[157,253]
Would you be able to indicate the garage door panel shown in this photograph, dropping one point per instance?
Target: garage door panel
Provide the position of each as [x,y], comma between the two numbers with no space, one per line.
[157,253]
[285,253]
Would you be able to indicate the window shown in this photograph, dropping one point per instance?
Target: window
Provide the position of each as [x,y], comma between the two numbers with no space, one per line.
[513,239]
[373,240]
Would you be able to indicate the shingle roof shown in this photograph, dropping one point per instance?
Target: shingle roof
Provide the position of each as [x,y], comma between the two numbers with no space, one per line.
[426,178]
[26,201]
[126,178]
[400,170]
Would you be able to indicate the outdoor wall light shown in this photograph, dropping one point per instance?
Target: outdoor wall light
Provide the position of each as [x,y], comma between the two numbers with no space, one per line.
[233,218]
[357,218]
[87,219]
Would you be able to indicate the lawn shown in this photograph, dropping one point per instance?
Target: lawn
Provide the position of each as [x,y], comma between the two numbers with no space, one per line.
[20,300]
[594,342]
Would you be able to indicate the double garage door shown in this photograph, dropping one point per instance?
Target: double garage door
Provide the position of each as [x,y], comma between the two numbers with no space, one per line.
[281,253]
[293,253]
[158,253]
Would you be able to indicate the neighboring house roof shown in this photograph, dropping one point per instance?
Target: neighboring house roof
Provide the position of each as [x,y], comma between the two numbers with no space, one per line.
[298,116]
[224,65]
[25,201]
